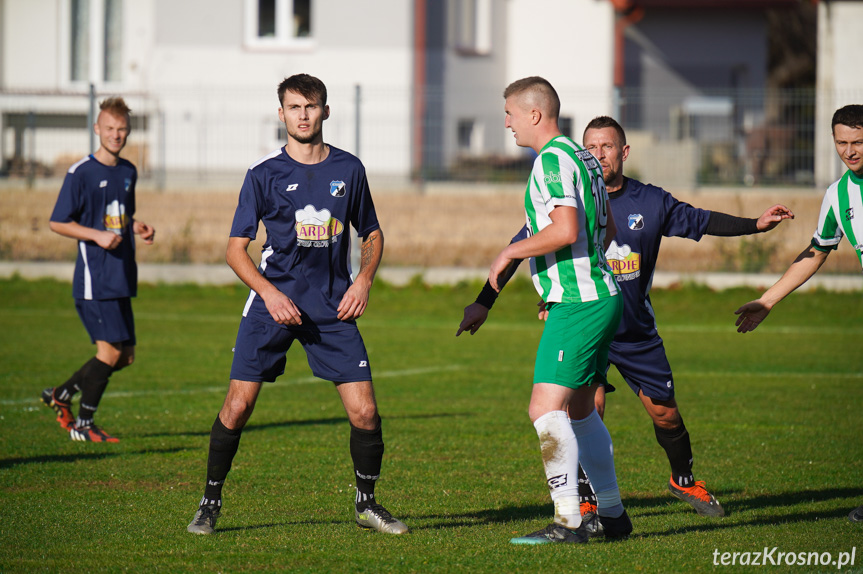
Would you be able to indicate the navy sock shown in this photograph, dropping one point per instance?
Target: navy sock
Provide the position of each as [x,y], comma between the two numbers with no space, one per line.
[367,453]
[93,384]
[679,451]
[224,443]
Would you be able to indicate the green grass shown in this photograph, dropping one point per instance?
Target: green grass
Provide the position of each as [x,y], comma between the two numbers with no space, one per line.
[774,418]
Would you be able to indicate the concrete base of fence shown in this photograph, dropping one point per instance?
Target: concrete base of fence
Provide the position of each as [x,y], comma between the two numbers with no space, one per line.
[399,276]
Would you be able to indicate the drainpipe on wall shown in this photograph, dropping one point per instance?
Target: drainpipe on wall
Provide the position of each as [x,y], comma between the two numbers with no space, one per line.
[419,88]
[628,13]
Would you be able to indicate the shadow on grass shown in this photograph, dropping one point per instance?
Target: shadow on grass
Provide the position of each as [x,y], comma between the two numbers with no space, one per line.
[11,462]
[634,505]
[252,427]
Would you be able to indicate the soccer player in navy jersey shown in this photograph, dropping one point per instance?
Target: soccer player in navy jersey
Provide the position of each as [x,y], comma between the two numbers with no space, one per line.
[307,194]
[643,215]
[96,206]
[835,221]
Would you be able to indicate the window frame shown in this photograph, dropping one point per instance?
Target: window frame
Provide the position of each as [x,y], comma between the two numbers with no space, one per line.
[283,38]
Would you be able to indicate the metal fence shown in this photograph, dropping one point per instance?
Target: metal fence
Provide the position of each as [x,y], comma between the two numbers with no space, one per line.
[187,137]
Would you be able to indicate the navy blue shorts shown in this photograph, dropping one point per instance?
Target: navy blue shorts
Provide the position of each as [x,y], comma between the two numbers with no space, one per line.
[335,355]
[109,320]
[644,367]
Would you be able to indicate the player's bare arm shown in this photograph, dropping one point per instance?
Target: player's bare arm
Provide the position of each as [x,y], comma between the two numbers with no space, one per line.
[562,231]
[353,304]
[101,237]
[805,266]
[773,217]
[280,306]
[147,232]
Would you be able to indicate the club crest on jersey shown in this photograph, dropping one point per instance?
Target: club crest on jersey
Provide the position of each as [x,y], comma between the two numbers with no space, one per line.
[337,188]
[317,228]
[635,221]
[849,214]
[127,183]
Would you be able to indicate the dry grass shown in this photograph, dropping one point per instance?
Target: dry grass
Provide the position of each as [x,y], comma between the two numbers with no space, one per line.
[427,230]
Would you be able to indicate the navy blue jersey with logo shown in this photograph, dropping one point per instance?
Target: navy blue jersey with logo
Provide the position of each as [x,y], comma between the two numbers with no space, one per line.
[101,197]
[307,211]
[644,214]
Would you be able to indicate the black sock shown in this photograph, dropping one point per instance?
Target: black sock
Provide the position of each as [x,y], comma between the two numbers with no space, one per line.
[367,452]
[585,491]
[223,447]
[679,451]
[94,380]
[67,390]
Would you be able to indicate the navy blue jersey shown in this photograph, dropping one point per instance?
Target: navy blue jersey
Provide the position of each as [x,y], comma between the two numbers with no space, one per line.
[307,211]
[101,197]
[643,214]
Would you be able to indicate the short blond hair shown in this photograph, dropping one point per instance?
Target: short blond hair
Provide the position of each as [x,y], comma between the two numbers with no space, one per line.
[116,106]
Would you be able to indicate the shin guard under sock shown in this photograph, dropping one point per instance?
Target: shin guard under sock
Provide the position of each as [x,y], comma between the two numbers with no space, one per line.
[367,453]
[94,381]
[679,451]
[223,447]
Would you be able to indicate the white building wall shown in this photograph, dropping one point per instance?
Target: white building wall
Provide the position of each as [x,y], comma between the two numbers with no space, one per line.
[839,82]
[570,43]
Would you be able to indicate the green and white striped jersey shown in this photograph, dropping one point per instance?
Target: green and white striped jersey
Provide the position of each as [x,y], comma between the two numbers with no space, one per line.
[565,174]
[841,214]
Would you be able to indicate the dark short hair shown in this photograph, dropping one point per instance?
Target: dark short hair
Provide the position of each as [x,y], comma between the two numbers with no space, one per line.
[307,86]
[601,122]
[116,106]
[850,115]
[539,86]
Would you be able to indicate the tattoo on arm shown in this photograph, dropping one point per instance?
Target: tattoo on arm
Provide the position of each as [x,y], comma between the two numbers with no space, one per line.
[367,251]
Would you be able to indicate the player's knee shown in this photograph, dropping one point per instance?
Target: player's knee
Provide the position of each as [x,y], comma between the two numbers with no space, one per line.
[667,419]
[366,417]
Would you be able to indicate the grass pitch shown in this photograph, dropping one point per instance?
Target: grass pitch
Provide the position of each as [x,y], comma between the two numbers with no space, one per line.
[774,418]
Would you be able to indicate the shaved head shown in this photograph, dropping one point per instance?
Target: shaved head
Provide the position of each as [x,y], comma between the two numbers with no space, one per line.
[535,92]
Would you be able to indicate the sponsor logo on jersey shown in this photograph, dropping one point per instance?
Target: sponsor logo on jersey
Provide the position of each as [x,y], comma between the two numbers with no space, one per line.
[337,188]
[849,214]
[635,221]
[103,183]
[115,217]
[317,228]
[625,264]
[364,363]
[292,187]
[558,481]
[552,177]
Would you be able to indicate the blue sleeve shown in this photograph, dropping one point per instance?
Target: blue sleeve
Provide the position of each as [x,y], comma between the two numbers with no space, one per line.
[683,220]
[249,208]
[522,234]
[68,206]
[364,216]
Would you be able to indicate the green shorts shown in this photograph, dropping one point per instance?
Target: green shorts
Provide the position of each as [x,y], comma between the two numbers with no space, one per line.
[573,351]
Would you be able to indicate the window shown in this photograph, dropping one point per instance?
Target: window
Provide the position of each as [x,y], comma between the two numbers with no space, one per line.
[473,27]
[469,137]
[278,23]
[113,64]
[565,123]
[96,40]
[80,49]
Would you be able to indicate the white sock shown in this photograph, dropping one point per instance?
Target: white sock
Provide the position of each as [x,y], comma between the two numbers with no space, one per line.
[597,458]
[560,459]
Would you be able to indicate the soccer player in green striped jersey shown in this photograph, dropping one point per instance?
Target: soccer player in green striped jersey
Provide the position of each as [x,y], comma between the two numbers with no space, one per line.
[841,215]
[570,226]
